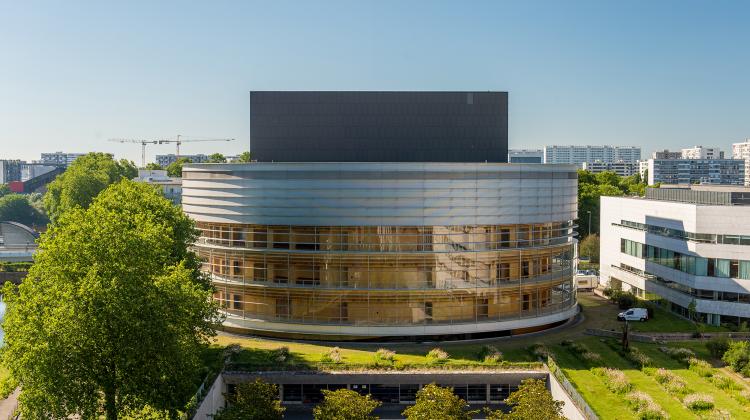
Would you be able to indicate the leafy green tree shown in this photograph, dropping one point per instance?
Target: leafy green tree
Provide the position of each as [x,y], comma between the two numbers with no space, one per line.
[153,166]
[738,357]
[607,178]
[532,401]
[217,158]
[345,404]
[174,169]
[245,157]
[114,312]
[4,190]
[86,177]
[437,403]
[591,187]
[17,208]
[254,401]
[590,247]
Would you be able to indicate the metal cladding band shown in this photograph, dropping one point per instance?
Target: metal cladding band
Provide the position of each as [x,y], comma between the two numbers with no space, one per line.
[363,250]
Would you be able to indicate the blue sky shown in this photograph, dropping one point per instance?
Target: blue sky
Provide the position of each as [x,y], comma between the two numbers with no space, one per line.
[659,74]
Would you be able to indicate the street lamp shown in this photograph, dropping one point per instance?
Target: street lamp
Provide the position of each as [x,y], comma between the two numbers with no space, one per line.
[589,212]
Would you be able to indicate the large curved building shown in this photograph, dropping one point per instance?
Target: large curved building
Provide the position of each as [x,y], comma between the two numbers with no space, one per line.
[352,251]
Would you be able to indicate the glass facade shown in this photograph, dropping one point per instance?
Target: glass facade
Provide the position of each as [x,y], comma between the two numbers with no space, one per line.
[389,275]
[691,264]
[706,238]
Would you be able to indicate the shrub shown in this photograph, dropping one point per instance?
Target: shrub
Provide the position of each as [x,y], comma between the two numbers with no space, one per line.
[345,404]
[280,355]
[332,356]
[434,402]
[697,402]
[385,355]
[678,353]
[738,356]
[255,400]
[669,381]
[743,397]
[638,357]
[614,379]
[626,301]
[718,346]
[540,351]
[725,383]
[701,367]
[645,406]
[582,352]
[437,355]
[490,354]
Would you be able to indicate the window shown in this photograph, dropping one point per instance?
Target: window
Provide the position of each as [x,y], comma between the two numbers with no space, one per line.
[282,307]
[483,308]
[237,303]
[259,271]
[503,271]
[525,268]
[428,312]
[504,238]
[344,311]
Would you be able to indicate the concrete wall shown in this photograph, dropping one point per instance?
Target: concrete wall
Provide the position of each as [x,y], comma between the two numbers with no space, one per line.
[570,411]
[213,401]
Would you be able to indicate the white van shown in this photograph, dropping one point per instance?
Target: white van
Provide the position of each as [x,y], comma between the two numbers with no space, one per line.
[633,314]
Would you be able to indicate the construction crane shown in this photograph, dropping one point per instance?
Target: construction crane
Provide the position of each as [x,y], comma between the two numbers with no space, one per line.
[143,144]
[181,140]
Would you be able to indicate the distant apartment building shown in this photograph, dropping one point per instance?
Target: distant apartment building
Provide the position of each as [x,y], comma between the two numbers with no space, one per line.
[742,151]
[526,156]
[683,246]
[171,188]
[10,170]
[577,155]
[59,158]
[620,168]
[696,171]
[166,160]
[33,170]
[666,154]
[700,152]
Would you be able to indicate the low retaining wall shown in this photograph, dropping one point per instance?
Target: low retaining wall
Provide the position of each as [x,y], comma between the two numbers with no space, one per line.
[656,337]
[575,408]
[213,401]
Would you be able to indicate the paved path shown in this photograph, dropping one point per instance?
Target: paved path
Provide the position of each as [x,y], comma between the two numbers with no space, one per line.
[8,405]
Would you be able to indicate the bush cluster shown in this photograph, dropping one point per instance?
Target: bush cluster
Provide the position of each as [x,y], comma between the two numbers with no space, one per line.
[725,383]
[614,379]
[701,367]
[280,355]
[718,346]
[678,353]
[698,402]
[385,355]
[582,352]
[645,406]
[490,354]
[669,381]
[540,351]
[437,355]
[332,356]
[738,357]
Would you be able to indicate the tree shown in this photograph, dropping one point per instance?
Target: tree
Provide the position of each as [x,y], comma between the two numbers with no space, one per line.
[590,247]
[152,166]
[174,169]
[217,158]
[532,401]
[86,177]
[17,208]
[590,189]
[738,357]
[245,157]
[436,403]
[4,190]
[114,312]
[345,404]
[254,401]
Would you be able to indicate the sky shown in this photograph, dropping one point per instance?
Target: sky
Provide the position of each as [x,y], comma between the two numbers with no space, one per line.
[655,74]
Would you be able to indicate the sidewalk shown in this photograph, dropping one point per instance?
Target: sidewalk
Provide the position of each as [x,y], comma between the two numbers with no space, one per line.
[8,405]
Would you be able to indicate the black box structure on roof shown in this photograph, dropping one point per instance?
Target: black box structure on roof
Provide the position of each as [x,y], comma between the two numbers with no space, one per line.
[379,126]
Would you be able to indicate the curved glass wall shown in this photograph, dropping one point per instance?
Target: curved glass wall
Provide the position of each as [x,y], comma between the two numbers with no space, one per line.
[390,275]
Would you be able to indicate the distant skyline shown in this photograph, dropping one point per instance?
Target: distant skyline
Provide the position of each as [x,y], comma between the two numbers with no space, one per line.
[667,74]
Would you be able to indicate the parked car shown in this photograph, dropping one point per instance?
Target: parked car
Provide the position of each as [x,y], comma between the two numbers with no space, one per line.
[633,314]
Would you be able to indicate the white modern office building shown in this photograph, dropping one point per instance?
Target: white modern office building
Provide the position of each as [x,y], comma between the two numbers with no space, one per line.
[742,151]
[365,250]
[166,160]
[620,168]
[171,188]
[577,155]
[525,156]
[682,245]
[696,171]
[700,152]
[59,158]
